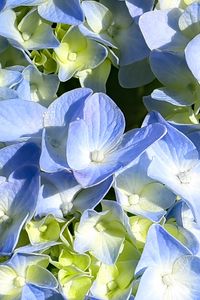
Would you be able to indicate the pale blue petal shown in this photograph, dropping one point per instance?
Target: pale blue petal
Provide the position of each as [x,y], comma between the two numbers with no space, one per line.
[135,142]
[18,155]
[192,57]
[136,74]
[105,122]
[150,286]
[20,120]
[189,20]
[7,27]
[183,97]
[32,292]
[89,198]
[160,249]
[22,192]
[61,11]
[78,148]
[171,69]
[56,121]
[137,7]
[131,44]
[9,78]
[7,94]
[168,36]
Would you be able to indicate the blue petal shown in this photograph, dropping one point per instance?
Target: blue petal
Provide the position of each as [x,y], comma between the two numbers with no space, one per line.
[7,94]
[21,191]
[131,44]
[61,11]
[56,121]
[137,7]
[90,198]
[160,247]
[136,74]
[168,36]
[171,69]
[18,155]
[20,120]
[192,57]
[33,292]
[56,194]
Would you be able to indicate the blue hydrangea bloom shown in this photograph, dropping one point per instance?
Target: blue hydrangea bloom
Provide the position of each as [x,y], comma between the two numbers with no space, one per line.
[36,86]
[114,23]
[139,194]
[23,35]
[24,277]
[103,244]
[60,194]
[169,270]
[176,163]
[185,219]
[20,120]
[100,149]
[60,11]
[17,205]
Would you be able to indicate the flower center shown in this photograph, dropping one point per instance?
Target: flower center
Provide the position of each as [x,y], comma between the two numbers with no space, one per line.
[66,207]
[133,199]
[112,285]
[72,56]
[100,227]
[26,36]
[34,91]
[184,177]
[97,156]
[3,216]
[43,228]
[19,281]
[168,279]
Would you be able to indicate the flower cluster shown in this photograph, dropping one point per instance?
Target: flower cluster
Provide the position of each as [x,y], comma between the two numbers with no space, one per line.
[63,155]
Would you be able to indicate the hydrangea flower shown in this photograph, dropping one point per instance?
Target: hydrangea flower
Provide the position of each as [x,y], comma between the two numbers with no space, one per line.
[139,194]
[116,281]
[77,53]
[112,23]
[100,148]
[176,164]
[175,64]
[37,87]
[23,35]
[17,205]
[24,277]
[169,270]
[108,231]
[184,218]
[60,194]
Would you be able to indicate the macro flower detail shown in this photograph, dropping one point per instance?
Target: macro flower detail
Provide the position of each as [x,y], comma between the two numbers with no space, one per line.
[99,150]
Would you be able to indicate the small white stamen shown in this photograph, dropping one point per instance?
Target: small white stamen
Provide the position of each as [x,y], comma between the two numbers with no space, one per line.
[97,156]
[19,281]
[3,216]
[72,56]
[168,279]
[112,285]
[100,227]
[66,207]
[43,228]
[184,177]
[133,199]
[26,36]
